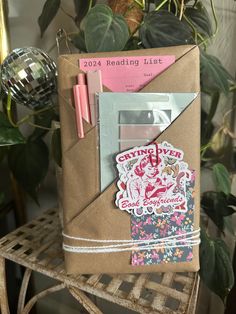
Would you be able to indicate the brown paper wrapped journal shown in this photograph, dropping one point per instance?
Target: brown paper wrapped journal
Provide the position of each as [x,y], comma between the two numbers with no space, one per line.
[91,214]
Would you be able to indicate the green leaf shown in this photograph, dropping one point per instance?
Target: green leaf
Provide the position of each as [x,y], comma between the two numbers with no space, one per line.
[222,178]
[105,31]
[81,8]
[216,206]
[56,146]
[50,9]
[78,41]
[164,6]
[163,29]
[132,44]
[9,135]
[207,257]
[206,128]
[200,19]
[231,200]
[29,164]
[214,77]
[207,125]
[43,120]
[215,266]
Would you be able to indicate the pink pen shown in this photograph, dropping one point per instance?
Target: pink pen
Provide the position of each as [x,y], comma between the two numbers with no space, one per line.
[83,94]
[78,111]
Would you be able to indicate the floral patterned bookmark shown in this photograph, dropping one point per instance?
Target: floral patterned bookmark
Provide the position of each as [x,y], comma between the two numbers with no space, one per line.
[153,227]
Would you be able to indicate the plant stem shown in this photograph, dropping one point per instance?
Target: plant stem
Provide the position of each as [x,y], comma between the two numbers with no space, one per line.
[176,7]
[232,88]
[169,3]
[204,149]
[195,3]
[90,5]
[203,40]
[40,126]
[29,116]
[215,17]
[139,3]
[143,4]
[181,10]
[9,110]
[182,15]
[192,26]
[161,5]
[67,14]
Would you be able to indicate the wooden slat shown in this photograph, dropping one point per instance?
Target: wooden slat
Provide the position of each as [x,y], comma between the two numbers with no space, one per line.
[93,280]
[167,279]
[183,279]
[167,291]
[158,302]
[114,285]
[127,277]
[137,289]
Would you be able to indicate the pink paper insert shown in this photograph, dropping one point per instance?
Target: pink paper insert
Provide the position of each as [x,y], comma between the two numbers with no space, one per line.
[127,74]
[139,132]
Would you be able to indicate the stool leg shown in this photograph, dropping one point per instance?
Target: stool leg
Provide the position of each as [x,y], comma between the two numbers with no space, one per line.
[84,300]
[3,288]
[23,290]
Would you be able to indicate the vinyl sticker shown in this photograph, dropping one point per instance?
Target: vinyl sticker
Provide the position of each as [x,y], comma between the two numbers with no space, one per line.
[152,180]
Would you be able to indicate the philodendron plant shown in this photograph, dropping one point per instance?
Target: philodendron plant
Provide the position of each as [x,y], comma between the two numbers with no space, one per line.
[140,24]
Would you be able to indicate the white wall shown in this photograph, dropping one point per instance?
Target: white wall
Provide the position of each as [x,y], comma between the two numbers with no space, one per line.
[25,30]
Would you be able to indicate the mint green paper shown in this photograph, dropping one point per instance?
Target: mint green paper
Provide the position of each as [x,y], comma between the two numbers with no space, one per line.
[157,110]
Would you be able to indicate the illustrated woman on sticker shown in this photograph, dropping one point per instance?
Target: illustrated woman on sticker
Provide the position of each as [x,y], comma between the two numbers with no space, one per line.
[144,181]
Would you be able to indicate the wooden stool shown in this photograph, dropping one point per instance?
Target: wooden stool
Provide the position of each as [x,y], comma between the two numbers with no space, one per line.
[38,247]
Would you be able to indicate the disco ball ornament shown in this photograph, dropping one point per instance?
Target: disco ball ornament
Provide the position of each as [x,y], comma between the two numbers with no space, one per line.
[30,75]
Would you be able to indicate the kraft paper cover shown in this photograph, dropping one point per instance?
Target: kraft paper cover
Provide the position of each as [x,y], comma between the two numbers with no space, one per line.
[89,214]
